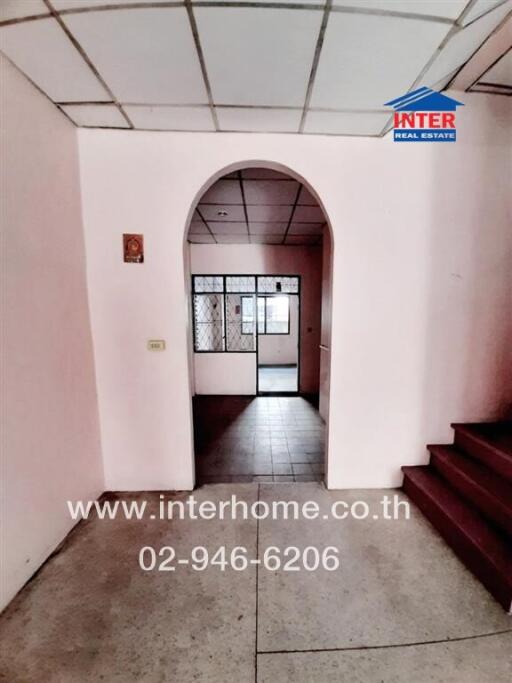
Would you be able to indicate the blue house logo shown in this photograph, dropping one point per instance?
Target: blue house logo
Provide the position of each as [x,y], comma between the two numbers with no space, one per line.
[424,115]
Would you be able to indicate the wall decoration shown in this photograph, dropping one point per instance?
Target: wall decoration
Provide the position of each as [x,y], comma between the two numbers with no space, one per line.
[133,248]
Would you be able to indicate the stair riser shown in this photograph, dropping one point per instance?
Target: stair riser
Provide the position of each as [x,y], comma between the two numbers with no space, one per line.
[488,506]
[467,552]
[498,462]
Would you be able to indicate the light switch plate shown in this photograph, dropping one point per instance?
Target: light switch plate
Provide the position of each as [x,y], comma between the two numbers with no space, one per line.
[156,345]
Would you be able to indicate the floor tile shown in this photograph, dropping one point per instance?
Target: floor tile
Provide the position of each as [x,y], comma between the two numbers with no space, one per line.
[91,614]
[240,437]
[479,660]
[398,581]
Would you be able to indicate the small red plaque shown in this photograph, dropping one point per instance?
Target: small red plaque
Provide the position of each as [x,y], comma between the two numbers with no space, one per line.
[133,247]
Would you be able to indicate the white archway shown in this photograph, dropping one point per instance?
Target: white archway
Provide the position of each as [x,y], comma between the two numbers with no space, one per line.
[225,170]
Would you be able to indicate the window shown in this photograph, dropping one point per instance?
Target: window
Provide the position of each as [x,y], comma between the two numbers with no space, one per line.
[273,315]
[247,315]
[228,308]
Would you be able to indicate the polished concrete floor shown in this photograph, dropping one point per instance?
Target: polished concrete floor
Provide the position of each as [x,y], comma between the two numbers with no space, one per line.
[264,439]
[277,378]
[400,609]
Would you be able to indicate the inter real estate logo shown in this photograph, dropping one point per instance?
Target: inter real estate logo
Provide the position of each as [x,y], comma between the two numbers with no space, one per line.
[424,115]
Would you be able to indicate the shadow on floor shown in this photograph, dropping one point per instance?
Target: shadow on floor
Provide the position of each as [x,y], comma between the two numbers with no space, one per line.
[261,439]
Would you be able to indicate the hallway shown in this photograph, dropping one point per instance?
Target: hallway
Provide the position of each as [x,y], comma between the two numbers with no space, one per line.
[400,607]
[263,439]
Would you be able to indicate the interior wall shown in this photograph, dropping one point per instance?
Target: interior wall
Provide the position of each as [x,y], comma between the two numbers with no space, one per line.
[325,331]
[50,432]
[225,374]
[282,349]
[421,324]
[262,259]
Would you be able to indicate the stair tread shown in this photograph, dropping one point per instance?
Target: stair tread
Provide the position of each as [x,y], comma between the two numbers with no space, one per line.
[479,474]
[497,435]
[489,541]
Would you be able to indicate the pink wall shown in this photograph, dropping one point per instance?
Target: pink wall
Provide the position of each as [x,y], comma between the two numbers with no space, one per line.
[421,322]
[325,332]
[269,259]
[50,432]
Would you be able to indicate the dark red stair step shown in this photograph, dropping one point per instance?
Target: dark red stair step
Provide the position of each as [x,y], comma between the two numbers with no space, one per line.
[482,549]
[491,443]
[488,492]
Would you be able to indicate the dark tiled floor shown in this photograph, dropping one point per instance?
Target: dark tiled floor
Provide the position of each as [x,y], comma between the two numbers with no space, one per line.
[244,439]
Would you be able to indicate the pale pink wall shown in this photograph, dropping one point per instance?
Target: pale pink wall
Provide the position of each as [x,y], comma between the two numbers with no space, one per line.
[326,325]
[422,283]
[225,373]
[50,434]
[264,259]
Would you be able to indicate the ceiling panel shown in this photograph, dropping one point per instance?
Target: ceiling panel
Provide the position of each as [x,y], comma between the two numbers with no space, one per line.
[146,56]
[306,198]
[223,192]
[312,214]
[269,2]
[269,213]
[96,115]
[439,8]
[271,191]
[259,120]
[201,239]
[14,9]
[479,8]
[306,228]
[342,123]
[305,240]
[171,118]
[501,72]
[267,228]
[264,173]
[266,239]
[75,4]
[232,239]
[211,212]
[462,45]
[43,51]
[367,60]
[258,56]
[227,228]
[198,228]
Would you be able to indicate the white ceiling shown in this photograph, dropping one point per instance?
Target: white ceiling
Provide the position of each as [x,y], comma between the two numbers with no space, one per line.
[257,206]
[284,66]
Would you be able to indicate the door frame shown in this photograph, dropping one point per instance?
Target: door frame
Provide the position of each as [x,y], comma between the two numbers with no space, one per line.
[298,295]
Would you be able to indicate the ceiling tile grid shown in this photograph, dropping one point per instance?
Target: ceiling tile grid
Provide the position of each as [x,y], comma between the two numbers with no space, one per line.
[296,66]
[257,206]
[497,78]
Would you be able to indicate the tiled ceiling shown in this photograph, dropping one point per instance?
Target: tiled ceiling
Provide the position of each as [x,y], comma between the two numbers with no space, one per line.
[497,78]
[257,206]
[284,66]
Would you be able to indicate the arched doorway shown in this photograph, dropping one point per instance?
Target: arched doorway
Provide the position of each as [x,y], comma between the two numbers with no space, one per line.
[258,260]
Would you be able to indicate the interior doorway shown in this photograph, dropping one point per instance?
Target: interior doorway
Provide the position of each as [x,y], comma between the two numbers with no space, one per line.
[278,355]
[258,294]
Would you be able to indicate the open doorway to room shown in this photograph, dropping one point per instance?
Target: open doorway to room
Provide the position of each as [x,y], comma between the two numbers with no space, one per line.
[277,330]
[260,289]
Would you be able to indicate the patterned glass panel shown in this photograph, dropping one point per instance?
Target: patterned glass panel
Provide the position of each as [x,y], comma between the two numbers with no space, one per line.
[236,340]
[208,322]
[241,283]
[208,283]
[276,284]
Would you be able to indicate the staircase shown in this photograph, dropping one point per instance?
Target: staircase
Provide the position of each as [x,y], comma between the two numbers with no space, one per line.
[466,493]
